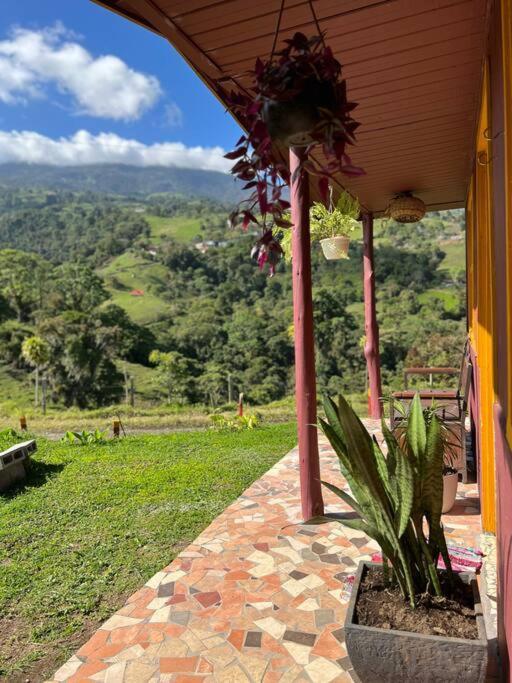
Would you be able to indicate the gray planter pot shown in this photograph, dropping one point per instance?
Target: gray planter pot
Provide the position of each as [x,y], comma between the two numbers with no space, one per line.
[390,656]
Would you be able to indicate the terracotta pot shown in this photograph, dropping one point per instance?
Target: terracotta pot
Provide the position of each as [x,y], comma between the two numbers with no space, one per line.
[291,121]
[450,483]
[390,656]
[335,247]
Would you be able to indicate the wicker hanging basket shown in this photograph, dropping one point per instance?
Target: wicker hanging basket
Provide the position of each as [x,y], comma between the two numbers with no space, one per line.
[405,208]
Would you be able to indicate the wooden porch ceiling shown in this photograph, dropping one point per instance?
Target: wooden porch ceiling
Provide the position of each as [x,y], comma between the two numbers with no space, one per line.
[414,66]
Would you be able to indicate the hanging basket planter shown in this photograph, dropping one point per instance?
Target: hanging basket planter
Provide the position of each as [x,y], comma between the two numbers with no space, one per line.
[298,98]
[293,122]
[335,248]
[405,208]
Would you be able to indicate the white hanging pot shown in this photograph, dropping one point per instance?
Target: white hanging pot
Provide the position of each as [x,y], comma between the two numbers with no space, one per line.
[335,248]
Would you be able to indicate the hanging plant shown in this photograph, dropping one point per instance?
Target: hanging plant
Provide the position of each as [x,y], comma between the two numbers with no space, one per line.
[331,226]
[267,250]
[406,208]
[298,98]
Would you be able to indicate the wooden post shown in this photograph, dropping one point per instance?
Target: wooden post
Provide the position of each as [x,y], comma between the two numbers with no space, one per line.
[305,377]
[44,385]
[371,328]
[240,405]
[115,428]
[132,392]
[23,423]
[230,389]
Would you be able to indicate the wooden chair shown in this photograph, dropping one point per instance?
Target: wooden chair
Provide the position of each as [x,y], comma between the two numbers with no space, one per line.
[451,404]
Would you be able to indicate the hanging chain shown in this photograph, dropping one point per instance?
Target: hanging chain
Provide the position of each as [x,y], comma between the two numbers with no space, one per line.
[278,26]
[331,203]
[317,23]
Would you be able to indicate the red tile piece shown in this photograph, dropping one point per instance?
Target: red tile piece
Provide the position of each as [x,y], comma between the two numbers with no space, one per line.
[208,599]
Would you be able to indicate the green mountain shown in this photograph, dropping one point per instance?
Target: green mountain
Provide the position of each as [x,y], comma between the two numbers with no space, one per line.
[165,292]
[121,180]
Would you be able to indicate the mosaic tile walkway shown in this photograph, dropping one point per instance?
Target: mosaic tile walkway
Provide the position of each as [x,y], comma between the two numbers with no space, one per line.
[256,597]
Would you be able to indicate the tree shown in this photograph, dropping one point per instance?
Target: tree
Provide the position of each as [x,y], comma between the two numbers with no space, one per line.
[81,368]
[36,351]
[213,383]
[175,374]
[22,281]
[78,287]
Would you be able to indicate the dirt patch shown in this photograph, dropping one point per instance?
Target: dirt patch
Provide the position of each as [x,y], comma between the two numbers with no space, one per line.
[22,660]
[384,607]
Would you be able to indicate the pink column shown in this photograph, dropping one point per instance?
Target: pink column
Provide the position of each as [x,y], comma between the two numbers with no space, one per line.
[371,328]
[305,378]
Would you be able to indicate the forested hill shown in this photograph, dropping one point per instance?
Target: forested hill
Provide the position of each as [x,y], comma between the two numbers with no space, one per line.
[158,284]
[121,179]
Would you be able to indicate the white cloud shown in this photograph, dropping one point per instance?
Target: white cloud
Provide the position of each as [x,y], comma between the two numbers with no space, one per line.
[100,86]
[84,148]
[173,115]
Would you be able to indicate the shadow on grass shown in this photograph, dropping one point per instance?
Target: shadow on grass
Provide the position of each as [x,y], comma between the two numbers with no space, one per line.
[38,473]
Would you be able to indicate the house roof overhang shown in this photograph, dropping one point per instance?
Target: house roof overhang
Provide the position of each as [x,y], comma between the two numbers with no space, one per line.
[415,69]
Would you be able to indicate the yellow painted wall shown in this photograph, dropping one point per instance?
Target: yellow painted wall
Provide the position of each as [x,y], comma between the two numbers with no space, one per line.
[506,24]
[481,304]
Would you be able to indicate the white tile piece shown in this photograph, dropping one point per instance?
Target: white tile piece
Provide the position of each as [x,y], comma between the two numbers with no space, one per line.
[322,670]
[115,673]
[300,653]
[259,557]
[261,605]
[69,669]
[155,580]
[173,576]
[119,621]
[161,616]
[290,553]
[312,581]
[129,653]
[294,587]
[309,605]
[271,626]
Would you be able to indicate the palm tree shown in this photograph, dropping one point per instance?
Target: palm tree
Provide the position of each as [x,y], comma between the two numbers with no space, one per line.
[36,351]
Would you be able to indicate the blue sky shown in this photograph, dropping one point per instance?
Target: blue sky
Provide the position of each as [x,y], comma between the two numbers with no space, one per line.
[78,83]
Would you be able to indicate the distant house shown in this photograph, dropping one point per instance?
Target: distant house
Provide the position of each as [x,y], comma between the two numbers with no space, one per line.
[137,292]
[204,246]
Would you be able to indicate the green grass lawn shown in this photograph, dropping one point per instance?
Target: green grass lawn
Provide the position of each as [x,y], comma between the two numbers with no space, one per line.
[181,228]
[94,523]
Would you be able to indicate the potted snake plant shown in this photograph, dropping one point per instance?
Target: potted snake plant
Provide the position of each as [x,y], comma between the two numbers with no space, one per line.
[407,619]
[451,445]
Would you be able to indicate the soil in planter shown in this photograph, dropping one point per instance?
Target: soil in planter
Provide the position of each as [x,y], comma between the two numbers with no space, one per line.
[384,607]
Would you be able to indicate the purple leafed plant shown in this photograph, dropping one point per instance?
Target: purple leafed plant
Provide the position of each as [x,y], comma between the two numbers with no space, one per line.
[301,87]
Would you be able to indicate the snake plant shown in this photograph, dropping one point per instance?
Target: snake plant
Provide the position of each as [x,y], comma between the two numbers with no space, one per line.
[397,497]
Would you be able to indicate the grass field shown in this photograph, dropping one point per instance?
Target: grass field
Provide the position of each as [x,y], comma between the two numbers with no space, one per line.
[130,272]
[180,228]
[93,523]
[447,296]
[455,259]
[161,418]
